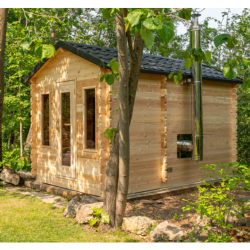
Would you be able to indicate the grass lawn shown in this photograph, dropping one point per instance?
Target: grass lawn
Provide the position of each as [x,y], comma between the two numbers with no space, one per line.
[27,219]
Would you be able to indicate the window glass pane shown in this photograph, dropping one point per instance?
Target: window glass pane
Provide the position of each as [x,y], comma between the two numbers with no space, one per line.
[90,95]
[66,155]
[45,103]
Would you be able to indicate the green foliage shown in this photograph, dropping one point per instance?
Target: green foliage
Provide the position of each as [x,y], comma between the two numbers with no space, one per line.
[134,17]
[151,228]
[208,56]
[11,159]
[148,37]
[220,39]
[99,214]
[188,63]
[176,217]
[177,76]
[217,202]
[110,78]
[185,13]
[109,133]
[135,208]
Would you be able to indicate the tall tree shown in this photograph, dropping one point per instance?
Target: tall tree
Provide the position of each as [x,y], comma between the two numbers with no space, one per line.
[3,27]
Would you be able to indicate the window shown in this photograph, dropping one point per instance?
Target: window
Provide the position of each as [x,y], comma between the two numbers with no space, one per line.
[184,146]
[66,149]
[45,120]
[90,118]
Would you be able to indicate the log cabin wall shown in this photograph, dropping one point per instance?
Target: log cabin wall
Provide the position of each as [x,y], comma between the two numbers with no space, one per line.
[65,66]
[219,128]
[163,110]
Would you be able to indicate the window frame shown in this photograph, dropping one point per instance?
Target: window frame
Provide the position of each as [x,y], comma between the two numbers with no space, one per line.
[84,99]
[41,120]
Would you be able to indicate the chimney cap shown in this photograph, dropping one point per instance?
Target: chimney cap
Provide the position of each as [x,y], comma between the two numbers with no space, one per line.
[197,14]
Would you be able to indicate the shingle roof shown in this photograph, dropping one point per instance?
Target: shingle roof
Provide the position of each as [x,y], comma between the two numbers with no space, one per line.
[152,64]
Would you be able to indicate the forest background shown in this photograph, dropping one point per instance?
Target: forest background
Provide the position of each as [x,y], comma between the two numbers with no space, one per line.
[88,26]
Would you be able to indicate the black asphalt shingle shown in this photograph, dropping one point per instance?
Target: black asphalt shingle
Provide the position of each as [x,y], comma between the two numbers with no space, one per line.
[150,63]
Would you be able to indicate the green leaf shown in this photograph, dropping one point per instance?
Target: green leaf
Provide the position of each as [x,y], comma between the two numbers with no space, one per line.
[109,79]
[148,37]
[113,64]
[102,78]
[245,63]
[176,79]
[149,24]
[106,13]
[185,13]
[25,43]
[126,27]
[170,75]
[230,43]
[45,51]
[220,39]
[92,222]
[108,133]
[208,55]
[134,17]
[188,63]
[105,218]
[166,33]
[179,75]
[48,50]
[228,71]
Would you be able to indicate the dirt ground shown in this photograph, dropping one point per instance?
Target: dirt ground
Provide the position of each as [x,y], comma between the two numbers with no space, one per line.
[165,209]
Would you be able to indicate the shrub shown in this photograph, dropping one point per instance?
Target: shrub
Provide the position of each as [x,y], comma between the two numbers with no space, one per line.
[216,203]
[11,158]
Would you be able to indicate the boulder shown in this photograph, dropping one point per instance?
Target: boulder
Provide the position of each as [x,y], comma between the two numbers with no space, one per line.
[75,202]
[8,175]
[26,176]
[167,231]
[84,212]
[137,224]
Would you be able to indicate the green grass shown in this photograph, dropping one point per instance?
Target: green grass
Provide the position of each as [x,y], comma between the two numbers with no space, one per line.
[27,219]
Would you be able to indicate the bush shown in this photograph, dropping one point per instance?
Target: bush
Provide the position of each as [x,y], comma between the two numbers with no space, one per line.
[217,203]
[11,158]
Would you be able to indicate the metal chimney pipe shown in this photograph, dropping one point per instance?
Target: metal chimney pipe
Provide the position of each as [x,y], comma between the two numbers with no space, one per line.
[197,115]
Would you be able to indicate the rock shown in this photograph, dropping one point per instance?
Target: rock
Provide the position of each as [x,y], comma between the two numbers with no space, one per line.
[243,198]
[75,202]
[8,175]
[167,231]
[25,176]
[204,221]
[137,224]
[234,220]
[84,212]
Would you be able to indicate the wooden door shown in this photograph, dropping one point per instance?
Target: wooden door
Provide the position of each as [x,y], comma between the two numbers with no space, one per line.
[66,129]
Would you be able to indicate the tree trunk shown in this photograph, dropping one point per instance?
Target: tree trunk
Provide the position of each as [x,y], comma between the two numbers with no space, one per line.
[111,181]
[53,35]
[3,28]
[123,97]
[20,114]
[9,141]
[14,141]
